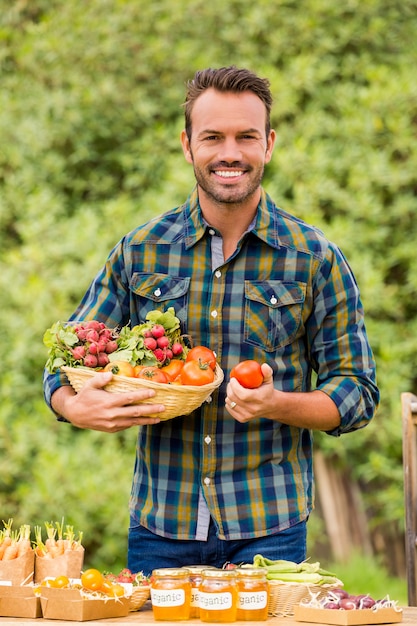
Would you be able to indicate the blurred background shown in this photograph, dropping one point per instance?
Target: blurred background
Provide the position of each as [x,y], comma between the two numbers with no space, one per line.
[90,117]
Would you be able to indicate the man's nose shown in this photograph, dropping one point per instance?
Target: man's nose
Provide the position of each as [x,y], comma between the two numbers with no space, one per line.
[230,151]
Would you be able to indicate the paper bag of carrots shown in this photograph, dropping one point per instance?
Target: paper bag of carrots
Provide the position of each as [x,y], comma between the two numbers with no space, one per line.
[62,553]
[17,557]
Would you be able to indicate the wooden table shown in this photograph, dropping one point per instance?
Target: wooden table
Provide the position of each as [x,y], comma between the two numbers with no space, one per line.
[144,618]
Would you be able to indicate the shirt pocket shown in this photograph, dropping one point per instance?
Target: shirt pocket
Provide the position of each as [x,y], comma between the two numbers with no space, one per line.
[159,291]
[273,312]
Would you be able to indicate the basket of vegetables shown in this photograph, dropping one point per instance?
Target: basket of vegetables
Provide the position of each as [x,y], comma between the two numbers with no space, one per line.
[152,355]
[140,587]
[290,583]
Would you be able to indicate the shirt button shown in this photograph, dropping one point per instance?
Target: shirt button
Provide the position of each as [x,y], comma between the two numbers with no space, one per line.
[273,300]
[213,314]
[212,232]
[157,292]
[207,480]
[207,440]
[217,274]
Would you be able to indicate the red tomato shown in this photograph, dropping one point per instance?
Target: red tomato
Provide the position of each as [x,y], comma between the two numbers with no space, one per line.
[203,354]
[154,373]
[248,374]
[137,369]
[173,369]
[196,373]
[92,579]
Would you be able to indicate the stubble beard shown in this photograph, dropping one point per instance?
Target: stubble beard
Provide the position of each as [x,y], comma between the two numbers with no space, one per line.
[229,194]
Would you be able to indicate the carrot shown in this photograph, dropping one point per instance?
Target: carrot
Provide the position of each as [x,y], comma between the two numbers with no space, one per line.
[11,551]
[6,539]
[23,542]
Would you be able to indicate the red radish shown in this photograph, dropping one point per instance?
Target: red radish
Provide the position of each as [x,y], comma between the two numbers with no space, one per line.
[163,342]
[102,359]
[150,343]
[81,334]
[158,331]
[90,360]
[177,349]
[93,348]
[160,355]
[101,344]
[168,354]
[78,353]
[111,346]
[94,325]
[92,335]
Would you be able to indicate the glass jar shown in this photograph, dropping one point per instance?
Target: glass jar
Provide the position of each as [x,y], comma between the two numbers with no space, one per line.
[253,594]
[196,576]
[171,594]
[218,596]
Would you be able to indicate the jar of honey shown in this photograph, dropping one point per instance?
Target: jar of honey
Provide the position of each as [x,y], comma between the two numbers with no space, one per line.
[196,576]
[171,594]
[218,596]
[253,594]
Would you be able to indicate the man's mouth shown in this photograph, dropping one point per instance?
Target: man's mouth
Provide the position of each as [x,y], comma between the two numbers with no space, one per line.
[228,173]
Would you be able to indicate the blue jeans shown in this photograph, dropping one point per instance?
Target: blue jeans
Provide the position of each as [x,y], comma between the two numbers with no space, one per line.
[147,551]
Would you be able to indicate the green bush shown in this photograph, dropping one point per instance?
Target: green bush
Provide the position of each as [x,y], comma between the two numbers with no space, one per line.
[90,116]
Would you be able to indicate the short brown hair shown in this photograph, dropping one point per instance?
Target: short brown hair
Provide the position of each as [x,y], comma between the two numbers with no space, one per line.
[227,79]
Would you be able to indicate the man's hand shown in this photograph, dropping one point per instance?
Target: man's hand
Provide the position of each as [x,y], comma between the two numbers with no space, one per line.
[313,410]
[94,408]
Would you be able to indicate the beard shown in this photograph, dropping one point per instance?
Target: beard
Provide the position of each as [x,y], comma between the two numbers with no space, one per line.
[236,193]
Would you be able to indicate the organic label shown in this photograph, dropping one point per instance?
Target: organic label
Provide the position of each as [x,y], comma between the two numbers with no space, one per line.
[215,601]
[252,600]
[173,597]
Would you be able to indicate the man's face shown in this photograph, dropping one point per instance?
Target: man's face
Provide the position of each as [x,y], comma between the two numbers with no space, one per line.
[228,147]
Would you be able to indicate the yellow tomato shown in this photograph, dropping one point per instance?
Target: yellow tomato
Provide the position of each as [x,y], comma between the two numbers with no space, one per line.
[121,368]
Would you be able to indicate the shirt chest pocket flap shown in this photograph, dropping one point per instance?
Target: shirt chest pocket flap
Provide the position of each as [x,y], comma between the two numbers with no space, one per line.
[273,312]
[152,289]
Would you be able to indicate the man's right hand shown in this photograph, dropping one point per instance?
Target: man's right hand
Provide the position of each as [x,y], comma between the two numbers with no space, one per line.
[94,408]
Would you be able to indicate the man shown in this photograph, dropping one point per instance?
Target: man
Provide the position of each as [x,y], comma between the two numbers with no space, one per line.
[250,281]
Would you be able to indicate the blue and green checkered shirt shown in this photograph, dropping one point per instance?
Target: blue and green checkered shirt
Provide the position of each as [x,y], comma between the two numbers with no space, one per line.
[286,297]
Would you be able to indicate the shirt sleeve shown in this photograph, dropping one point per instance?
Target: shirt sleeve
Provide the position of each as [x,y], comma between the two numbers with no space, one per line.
[338,343]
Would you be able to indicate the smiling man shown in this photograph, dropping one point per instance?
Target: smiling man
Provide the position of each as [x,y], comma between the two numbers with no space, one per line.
[247,279]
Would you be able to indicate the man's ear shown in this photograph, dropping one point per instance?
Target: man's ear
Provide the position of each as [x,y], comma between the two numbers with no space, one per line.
[186,147]
[270,146]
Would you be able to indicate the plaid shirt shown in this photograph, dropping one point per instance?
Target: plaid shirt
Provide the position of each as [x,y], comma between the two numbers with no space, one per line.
[286,297]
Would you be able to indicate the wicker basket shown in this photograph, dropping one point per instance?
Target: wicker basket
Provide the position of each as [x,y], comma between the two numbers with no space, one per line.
[283,596]
[140,595]
[178,399]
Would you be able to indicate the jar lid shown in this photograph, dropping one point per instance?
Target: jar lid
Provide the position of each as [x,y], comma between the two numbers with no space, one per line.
[171,571]
[219,573]
[251,571]
[197,569]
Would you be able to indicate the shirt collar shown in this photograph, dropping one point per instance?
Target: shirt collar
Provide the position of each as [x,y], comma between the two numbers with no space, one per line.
[264,224]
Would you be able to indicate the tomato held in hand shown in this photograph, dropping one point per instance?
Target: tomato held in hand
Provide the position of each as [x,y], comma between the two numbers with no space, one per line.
[196,373]
[248,374]
[203,354]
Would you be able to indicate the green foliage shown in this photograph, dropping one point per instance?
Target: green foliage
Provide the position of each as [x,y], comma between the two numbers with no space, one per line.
[90,116]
